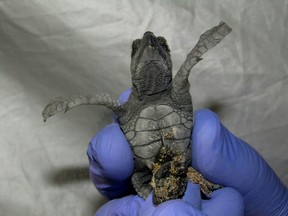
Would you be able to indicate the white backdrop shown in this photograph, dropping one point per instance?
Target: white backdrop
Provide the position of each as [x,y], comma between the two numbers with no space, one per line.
[50,48]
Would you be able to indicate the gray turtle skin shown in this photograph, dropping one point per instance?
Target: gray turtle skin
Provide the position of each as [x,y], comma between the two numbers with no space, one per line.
[157,119]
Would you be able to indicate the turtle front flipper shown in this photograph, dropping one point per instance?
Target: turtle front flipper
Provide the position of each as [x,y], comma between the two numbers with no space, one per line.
[207,41]
[66,103]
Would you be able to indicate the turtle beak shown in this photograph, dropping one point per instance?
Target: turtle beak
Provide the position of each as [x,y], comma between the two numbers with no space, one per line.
[151,40]
[151,49]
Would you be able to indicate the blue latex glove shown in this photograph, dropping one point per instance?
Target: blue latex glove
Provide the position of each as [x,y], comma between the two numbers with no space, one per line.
[219,155]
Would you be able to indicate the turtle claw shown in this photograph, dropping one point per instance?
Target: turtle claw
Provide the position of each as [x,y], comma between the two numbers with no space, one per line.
[55,106]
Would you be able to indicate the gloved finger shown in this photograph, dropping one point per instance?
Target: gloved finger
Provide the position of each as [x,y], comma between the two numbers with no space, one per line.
[126,206]
[147,207]
[225,159]
[176,208]
[224,202]
[123,98]
[110,161]
[192,195]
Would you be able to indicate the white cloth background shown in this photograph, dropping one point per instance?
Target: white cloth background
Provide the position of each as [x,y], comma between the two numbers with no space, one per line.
[50,48]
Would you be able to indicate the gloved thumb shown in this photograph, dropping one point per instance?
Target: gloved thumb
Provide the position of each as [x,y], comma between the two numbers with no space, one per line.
[227,160]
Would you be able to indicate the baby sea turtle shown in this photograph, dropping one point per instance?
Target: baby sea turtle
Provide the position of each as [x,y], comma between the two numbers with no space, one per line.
[157,120]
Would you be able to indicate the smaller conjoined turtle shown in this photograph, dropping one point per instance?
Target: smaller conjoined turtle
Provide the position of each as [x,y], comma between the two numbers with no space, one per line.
[157,120]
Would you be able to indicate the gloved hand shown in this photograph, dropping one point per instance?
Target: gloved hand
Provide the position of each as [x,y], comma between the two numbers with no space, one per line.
[219,155]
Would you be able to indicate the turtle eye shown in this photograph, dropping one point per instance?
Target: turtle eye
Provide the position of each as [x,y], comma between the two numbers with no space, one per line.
[163,43]
[135,45]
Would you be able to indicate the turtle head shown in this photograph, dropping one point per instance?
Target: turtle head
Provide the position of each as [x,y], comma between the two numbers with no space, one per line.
[151,65]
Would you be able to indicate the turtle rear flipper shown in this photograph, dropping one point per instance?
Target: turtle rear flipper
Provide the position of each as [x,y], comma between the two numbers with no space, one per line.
[206,186]
[141,182]
[168,184]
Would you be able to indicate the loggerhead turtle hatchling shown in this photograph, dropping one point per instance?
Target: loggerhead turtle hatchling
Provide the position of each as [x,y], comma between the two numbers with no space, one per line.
[157,119]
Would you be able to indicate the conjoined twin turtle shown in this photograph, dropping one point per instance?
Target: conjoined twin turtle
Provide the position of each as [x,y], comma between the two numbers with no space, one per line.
[157,120]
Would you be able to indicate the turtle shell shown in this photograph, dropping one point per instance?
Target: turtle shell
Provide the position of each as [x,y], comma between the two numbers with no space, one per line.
[154,129]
